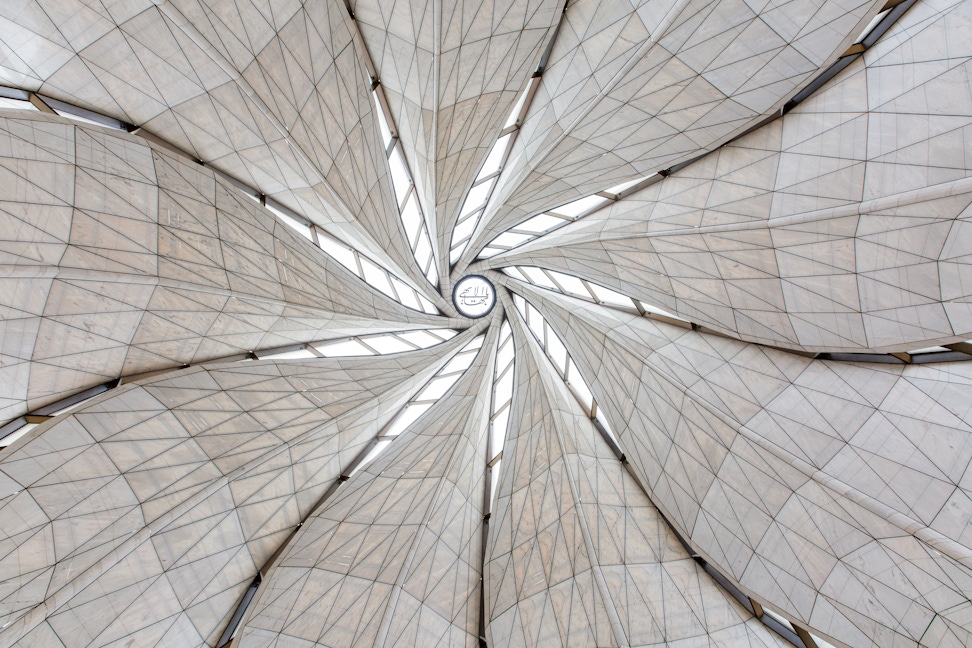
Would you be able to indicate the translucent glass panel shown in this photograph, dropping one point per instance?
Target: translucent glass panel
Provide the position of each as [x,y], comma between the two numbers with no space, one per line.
[426,397]
[298,354]
[781,620]
[409,209]
[305,230]
[478,197]
[592,292]
[16,104]
[436,388]
[871,25]
[499,417]
[552,219]
[821,643]
[557,354]
[383,343]
[20,426]
[373,274]
[361,345]
[16,434]
[542,224]
[586,290]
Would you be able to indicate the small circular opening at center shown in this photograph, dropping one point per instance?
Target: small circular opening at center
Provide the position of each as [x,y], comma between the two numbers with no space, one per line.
[474,296]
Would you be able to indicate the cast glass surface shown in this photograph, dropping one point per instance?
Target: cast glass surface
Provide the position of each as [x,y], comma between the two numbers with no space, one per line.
[474,296]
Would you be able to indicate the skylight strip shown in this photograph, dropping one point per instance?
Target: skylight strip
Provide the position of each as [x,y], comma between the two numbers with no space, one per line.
[870,27]
[501,401]
[17,432]
[370,272]
[15,99]
[595,293]
[519,234]
[406,193]
[367,455]
[479,195]
[373,274]
[430,393]
[546,222]
[590,291]
[556,352]
[360,345]
[21,425]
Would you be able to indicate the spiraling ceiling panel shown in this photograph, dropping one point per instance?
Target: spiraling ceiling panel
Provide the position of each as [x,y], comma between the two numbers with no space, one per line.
[723,403]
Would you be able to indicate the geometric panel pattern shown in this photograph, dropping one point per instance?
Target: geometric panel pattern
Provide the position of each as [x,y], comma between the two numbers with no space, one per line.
[816,485]
[171,510]
[842,226]
[450,74]
[144,516]
[578,555]
[394,557]
[130,259]
[276,97]
[652,84]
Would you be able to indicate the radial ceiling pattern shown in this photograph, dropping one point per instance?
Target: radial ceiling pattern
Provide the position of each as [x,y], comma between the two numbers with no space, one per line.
[722,399]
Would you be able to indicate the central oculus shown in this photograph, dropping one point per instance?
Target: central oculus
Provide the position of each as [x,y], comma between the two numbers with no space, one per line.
[474,296]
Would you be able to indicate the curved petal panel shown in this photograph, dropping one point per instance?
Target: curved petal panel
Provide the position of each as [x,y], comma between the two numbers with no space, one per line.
[160,502]
[723,400]
[130,259]
[639,89]
[394,557]
[277,98]
[451,73]
[842,226]
[577,555]
[808,482]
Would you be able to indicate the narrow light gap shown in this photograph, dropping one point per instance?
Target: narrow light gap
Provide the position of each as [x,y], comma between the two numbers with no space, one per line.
[552,219]
[499,154]
[406,192]
[429,394]
[595,293]
[452,371]
[556,352]
[22,425]
[591,292]
[16,99]
[234,624]
[357,263]
[501,399]
[371,344]
[479,195]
